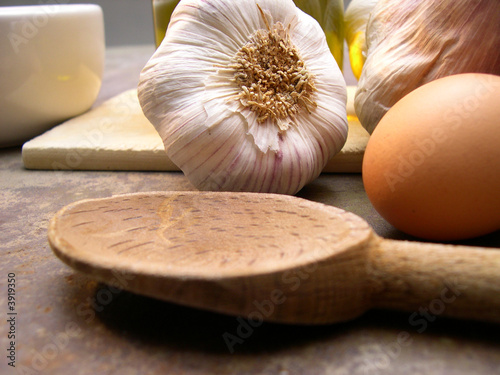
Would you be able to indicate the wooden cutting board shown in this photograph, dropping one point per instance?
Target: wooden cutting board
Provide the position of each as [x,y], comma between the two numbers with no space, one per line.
[117,136]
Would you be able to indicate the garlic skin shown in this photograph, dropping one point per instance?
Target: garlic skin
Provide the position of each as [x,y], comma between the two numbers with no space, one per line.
[413,42]
[356,18]
[225,133]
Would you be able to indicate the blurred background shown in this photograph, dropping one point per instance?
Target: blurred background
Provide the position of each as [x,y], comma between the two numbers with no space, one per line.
[127,22]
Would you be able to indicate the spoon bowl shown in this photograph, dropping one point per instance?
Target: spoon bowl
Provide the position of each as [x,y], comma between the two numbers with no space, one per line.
[274,257]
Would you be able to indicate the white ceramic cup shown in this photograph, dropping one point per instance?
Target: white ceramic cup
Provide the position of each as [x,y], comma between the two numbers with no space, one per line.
[51,65]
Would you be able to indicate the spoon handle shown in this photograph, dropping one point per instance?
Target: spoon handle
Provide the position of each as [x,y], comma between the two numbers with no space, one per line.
[433,279]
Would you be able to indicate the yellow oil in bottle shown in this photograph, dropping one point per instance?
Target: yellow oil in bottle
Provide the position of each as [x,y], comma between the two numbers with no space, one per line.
[356,56]
[330,16]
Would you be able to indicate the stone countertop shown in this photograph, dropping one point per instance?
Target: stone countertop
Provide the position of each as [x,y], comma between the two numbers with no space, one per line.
[68,324]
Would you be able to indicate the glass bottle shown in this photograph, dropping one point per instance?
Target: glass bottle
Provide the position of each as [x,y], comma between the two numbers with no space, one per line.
[162,10]
[330,16]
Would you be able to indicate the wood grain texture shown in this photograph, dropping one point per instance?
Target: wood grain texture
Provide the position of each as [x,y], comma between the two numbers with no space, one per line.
[117,136]
[435,279]
[220,251]
[229,252]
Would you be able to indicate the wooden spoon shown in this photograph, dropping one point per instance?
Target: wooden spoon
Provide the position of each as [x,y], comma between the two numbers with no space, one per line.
[273,257]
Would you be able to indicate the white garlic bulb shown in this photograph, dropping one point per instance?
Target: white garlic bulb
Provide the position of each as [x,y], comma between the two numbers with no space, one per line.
[412,42]
[245,95]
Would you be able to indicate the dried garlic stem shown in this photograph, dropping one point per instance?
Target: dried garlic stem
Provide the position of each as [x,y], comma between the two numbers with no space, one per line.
[272,76]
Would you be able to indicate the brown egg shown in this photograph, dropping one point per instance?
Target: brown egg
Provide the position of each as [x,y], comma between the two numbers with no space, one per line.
[432,166]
